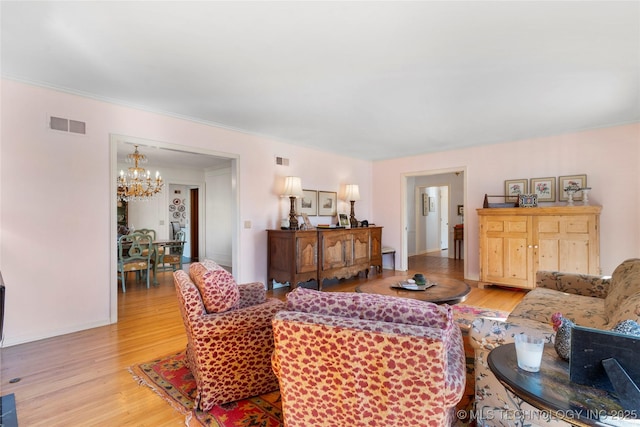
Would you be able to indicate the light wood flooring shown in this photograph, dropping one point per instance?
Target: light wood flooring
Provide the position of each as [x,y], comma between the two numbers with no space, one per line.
[82,379]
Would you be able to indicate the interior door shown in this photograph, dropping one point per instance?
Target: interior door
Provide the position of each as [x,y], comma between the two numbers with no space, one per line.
[444,217]
[194,231]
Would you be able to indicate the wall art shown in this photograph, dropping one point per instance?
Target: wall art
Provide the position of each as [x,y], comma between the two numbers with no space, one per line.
[544,188]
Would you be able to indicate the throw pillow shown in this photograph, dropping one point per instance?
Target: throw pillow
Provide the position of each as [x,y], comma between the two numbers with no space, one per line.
[370,307]
[217,287]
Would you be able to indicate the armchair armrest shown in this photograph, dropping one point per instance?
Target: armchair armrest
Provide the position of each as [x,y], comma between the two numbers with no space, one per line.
[236,321]
[578,284]
[490,333]
[251,294]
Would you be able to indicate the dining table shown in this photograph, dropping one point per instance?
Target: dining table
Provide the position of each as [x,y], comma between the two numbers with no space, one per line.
[158,247]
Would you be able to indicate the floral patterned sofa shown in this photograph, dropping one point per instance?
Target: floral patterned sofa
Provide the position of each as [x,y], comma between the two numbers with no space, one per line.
[594,301]
[352,359]
[229,334]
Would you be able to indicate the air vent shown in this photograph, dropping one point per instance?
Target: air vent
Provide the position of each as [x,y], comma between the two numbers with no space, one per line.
[282,161]
[67,125]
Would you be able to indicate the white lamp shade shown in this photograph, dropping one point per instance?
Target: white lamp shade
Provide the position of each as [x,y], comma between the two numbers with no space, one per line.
[352,192]
[292,187]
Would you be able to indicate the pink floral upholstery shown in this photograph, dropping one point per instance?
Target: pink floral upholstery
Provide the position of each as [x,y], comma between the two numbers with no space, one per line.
[593,301]
[350,359]
[217,286]
[229,353]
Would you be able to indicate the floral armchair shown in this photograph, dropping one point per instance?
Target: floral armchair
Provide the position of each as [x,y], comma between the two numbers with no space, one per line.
[599,302]
[229,334]
[351,359]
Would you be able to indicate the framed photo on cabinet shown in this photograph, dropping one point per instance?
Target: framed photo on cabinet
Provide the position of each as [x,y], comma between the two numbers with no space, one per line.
[579,181]
[327,203]
[544,188]
[514,187]
[344,220]
[308,203]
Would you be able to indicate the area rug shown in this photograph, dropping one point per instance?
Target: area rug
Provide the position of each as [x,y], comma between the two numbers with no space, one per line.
[169,377]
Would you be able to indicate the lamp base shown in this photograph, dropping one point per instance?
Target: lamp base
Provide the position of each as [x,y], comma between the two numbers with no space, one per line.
[293,218]
[352,219]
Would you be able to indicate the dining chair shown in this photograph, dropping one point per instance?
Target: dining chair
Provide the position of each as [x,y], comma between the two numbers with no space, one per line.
[148,231]
[175,228]
[169,256]
[134,254]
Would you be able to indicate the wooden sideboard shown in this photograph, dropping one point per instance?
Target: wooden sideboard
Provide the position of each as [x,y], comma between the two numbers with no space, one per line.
[295,256]
[517,242]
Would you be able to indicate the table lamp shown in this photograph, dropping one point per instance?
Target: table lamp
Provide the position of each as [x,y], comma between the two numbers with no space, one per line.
[352,193]
[293,190]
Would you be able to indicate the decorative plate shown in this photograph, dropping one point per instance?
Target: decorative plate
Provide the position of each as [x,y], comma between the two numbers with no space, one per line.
[182,208]
[172,208]
[176,215]
[176,201]
[412,286]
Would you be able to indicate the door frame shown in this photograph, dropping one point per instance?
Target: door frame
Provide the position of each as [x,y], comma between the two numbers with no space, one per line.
[235,196]
[404,219]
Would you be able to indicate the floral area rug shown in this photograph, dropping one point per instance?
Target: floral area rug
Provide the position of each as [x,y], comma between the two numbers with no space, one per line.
[169,377]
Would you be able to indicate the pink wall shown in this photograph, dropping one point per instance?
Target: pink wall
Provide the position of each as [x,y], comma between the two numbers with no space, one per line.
[609,157]
[55,193]
[57,205]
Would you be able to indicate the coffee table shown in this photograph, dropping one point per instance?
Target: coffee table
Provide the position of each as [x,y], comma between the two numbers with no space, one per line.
[551,390]
[446,290]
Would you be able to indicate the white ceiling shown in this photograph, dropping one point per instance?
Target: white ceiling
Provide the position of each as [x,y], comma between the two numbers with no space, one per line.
[371,80]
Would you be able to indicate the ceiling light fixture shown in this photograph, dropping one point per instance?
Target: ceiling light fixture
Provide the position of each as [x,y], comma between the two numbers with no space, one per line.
[137,184]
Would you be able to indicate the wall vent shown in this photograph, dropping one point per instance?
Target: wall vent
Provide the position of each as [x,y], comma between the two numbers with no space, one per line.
[67,125]
[282,161]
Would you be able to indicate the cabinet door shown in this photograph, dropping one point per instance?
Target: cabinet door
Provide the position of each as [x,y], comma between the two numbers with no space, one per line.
[361,247]
[336,249]
[306,253]
[505,250]
[375,248]
[564,243]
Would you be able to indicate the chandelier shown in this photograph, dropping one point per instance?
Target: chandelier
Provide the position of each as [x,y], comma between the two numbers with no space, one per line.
[137,184]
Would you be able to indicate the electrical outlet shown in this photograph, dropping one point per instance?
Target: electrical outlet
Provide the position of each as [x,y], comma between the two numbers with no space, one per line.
[247,224]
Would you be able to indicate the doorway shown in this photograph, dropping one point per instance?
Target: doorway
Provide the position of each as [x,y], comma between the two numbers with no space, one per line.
[430,227]
[195,224]
[434,226]
[184,166]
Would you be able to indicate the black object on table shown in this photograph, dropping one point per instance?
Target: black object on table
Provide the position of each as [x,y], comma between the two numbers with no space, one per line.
[552,391]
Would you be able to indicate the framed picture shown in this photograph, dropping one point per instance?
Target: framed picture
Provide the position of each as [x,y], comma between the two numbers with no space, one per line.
[425,204]
[461,210]
[308,203]
[544,188]
[344,220]
[327,203]
[307,223]
[528,200]
[579,181]
[514,187]
[432,204]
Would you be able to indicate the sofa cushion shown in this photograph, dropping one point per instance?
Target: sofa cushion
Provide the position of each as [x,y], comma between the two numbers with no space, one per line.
[370,307]
[217,286]
[625,281]
[629,309]
[540,304]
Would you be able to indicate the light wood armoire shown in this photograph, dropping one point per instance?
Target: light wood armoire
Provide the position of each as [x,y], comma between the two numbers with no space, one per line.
[517,242]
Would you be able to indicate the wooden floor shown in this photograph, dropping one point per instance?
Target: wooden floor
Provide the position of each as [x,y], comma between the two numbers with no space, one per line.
[82,379]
